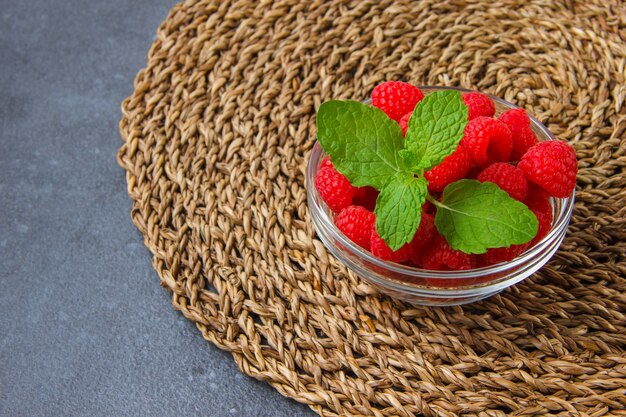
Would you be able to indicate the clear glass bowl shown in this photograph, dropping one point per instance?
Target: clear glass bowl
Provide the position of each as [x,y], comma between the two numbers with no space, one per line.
[410,284]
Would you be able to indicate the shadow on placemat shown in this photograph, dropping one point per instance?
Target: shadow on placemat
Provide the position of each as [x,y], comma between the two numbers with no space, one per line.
[216,137]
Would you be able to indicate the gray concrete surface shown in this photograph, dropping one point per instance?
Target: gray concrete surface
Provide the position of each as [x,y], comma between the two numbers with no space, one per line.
[85,329]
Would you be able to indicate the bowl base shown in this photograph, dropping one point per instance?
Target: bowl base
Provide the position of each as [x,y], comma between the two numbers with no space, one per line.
[431,301]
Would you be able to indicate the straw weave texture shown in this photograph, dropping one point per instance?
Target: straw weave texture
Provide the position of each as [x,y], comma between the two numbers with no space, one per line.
[216,138]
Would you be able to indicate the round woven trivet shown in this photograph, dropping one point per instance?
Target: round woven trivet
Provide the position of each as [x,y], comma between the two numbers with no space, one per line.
[217,134]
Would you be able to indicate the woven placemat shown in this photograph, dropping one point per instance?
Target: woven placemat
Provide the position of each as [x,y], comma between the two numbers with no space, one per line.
[217,134]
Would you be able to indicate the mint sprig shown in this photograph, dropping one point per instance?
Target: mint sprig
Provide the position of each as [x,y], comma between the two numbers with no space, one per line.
[368,148]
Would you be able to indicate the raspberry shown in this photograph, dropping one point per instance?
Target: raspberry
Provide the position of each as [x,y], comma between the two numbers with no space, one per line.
[521,133]
[478,105]
[365,197]
[509,178]
[453,168]
[545,225]
[380,249]
[487,140]
[396,98]
[473,173]
[429,207]
[426,232]
[416,261]
[497,255]
[552,165]
[326,163]
[356,223]
[538,201]
[441,257]
[522,141]
[404,122]
[360,192]
[334,188]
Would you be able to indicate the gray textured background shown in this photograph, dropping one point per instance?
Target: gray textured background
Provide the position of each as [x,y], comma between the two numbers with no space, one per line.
[85,328]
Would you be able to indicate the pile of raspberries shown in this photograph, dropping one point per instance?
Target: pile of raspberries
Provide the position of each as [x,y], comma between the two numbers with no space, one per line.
[502,150]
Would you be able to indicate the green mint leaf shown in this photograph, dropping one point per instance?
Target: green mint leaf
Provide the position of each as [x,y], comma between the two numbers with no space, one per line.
[362,141]
[436,128]
[399,209]
[411,162]
[475,216]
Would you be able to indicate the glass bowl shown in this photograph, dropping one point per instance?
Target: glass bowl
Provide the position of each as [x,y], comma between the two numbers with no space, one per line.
[429,287]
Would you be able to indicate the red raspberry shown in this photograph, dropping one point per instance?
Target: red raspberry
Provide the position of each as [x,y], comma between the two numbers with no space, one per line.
[356,223]
[326,163]
[538,201]
[416,260]
[441,257]
[522,141]
[522,134]
[365,197]
[552,165]
[497,255]
[478,105]
[545,225]
[426,232]
[360,192]
[380,249]
[334,188]
[487,140]
[473,173]
[404,122]
[396,98]
[509,178]
[479,261]
[453,168]
[429,207]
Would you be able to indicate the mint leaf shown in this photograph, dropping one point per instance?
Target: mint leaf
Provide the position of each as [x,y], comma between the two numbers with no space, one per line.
[362,141]
[399,209]
[435,128]
[475,216]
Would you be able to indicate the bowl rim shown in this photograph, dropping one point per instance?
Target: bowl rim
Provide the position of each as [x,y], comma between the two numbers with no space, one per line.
[560,219]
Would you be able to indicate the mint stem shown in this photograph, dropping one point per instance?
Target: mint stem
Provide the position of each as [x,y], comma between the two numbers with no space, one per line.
[434,201]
